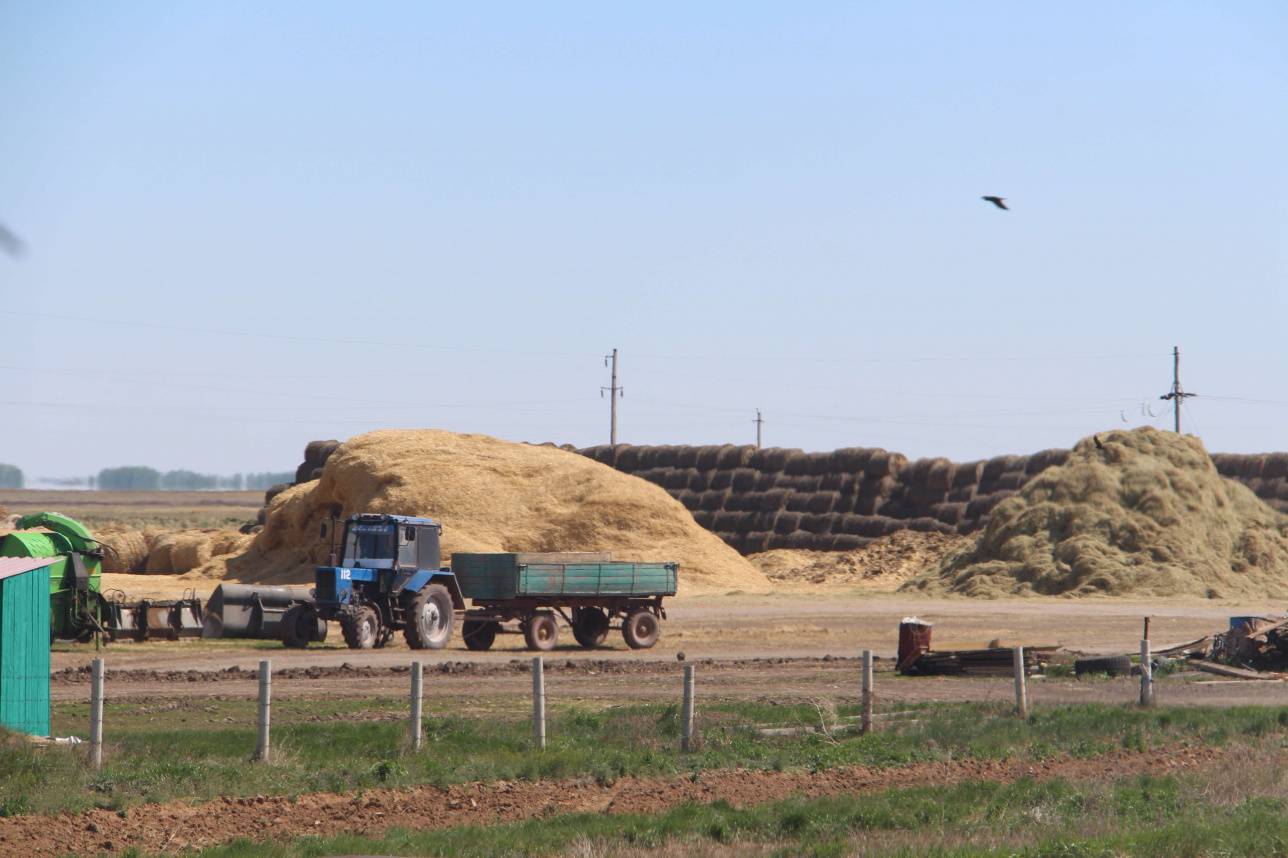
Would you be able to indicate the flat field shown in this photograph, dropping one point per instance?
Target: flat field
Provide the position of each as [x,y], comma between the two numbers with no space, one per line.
[167,510]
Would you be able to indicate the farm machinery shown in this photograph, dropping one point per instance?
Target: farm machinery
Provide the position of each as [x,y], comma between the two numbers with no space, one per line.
[78,607]
[389,577]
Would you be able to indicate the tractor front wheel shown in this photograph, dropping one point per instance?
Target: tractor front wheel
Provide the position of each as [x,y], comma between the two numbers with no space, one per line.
[361,629]
[429,618]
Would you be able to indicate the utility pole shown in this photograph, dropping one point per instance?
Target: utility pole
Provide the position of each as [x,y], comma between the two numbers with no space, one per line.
[1176,394]
[760,422]
[613,393]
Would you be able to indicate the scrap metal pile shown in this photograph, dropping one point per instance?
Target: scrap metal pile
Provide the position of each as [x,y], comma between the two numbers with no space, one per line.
[916,658]
[1258,643]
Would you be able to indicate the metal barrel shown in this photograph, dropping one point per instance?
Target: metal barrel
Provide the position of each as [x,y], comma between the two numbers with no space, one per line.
[250,610]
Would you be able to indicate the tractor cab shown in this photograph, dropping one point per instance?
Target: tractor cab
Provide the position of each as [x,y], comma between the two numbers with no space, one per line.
[389,576]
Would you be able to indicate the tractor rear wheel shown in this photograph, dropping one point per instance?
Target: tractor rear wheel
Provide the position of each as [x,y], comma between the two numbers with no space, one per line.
[429,618]
[641,629]
[590,627]
[361,628]
[480,634]
[541,631]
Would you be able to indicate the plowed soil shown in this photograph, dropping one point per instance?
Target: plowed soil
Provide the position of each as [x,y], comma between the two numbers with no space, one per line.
[176,826]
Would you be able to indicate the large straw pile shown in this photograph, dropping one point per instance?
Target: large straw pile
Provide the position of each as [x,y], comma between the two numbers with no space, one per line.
[1145,514]
[490,495]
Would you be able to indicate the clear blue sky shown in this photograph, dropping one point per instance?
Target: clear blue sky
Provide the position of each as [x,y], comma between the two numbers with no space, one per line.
[250,225]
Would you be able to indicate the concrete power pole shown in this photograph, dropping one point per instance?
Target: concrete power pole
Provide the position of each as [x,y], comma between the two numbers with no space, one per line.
[760,422]
[613,393]
[1176,394]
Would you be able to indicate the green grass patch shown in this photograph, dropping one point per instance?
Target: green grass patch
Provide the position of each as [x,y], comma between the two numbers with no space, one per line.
[200,749]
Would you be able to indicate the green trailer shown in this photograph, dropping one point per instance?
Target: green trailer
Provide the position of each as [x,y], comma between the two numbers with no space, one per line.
[530,592]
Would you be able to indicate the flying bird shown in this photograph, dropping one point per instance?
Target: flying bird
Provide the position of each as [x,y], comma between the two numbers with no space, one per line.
[1000,202]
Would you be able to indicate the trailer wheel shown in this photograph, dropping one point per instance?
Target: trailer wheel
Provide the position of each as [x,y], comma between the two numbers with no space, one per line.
[641,629]
[479,634]
[429,618]
[590,627]
[299,627]
[541,631]
[360,629]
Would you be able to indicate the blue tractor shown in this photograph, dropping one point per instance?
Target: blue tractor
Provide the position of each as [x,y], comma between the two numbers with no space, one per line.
[390,576]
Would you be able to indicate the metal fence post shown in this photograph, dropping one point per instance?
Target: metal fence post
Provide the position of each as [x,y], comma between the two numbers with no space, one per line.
[538,702]
[1021,685]
[686,714]
[866,723]
[1146,675]
[96,713]
[262,750]
[417,679]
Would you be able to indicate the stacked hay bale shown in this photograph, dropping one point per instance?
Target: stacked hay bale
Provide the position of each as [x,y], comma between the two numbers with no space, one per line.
[1266,474]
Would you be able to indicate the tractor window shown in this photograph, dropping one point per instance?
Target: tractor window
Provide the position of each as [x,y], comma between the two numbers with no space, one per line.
[369,544]
[407,551]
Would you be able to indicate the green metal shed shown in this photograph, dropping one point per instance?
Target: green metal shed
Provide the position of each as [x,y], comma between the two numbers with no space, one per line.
[24,643]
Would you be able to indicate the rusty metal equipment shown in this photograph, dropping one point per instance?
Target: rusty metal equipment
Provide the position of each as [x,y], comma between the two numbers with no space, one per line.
[153,619]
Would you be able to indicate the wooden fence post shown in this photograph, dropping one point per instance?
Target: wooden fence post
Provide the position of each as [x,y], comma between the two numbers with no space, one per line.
[1146,675]
[1021,684]
[686,714]
[866,723]
[538,702]
[417,680]
[262,748]
[96,713]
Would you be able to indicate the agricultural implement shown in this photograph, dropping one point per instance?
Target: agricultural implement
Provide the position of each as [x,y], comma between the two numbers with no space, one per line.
[391,578]
[254,611]
[78,608]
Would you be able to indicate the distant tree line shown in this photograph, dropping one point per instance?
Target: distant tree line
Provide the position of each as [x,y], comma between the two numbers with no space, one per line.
[11,477]
[140,478]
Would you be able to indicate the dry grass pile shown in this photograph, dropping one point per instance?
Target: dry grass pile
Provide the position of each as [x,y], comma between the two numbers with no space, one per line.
[175,552]
[125,549]
[1146,515]
[490,495]
[882,565]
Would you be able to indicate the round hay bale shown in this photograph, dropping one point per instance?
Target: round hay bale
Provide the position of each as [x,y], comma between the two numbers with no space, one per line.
[602,453]
[849,460]
[686,456]
[697,481]
[318,452]
[996,466]
[1270,488]
[1252,467]
[799,541]
[732,522]
[735,457]
[274,491]
[316,474]
[708,457]
[883,487]
[882,463]
[765,481]
[764,520]
[846,542]
[227,542]
[645,458]
[704,517]
[773,500]
[1044,459]
[720,479]
[818,522]
[689,499]
[797,464]
[845,503]
[869,505]
[769,459]
[797,501]
[742,502]
[664,456]
[940,475]
[821,502]
[743,480]
[1012,481]
[756,541]
[627,458]
[965,494]
[967,474]
[1276,466]
[126,550]
[190,551]
[787,522]
[261,515]
[673,478]
[304,472]
[160,558]
[712,500]
[949,513]
[1227,464]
